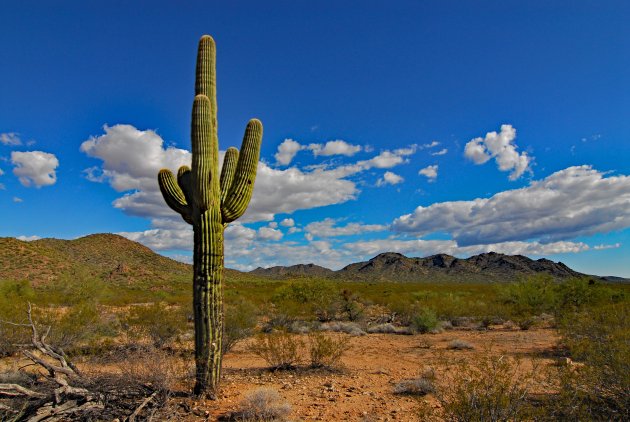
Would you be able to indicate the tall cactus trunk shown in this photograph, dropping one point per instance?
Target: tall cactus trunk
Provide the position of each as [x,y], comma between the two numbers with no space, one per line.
[210,201]
[208,302]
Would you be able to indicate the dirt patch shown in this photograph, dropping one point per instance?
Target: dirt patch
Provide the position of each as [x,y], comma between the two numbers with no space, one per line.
[363,390]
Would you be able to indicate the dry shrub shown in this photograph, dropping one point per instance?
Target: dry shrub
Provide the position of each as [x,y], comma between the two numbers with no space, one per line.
[494,388]
[133,375]
[280,349]
[344,327]
[157,321]
[388,328]
[415,387]
[458,344]
[262,404]
[326,351]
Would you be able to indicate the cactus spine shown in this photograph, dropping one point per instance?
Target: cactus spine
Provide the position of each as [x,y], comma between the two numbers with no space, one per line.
[209,202]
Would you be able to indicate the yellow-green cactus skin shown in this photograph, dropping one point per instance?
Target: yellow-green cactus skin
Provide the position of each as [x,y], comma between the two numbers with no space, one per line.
[209,201]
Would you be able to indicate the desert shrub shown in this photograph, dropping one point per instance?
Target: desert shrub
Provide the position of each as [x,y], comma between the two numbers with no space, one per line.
[575,293]
[325,350]
[14,296]
[530,296]
[73,328]
[445,325]
[262,404]
[388,328]
[239,322]
[157,321]
[424,320]
[351,306]
[300,327]
[495,388]
[420,386]
[280,349]
[281,316]
[461,321]
[458,344]
[344,327]
[597,389]
[319,299]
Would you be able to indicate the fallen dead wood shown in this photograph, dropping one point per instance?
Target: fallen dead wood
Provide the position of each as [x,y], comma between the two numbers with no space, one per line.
[62,392]
[132,417]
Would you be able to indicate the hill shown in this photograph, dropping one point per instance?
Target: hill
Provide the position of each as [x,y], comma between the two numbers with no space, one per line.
[299,270]
[107,257]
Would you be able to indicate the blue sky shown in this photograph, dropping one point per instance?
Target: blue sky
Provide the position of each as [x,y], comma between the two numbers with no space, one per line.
[419,127]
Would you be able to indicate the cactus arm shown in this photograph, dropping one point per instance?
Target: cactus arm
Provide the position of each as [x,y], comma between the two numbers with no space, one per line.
[227,172]
[173,195]
[240,191]
[184,176]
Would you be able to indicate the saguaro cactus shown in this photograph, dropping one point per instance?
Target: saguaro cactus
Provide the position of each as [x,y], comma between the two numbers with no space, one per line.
[209,202]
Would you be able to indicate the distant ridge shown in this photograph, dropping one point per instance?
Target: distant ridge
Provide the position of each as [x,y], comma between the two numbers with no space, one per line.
[117,260]
[299,270]
[392,266]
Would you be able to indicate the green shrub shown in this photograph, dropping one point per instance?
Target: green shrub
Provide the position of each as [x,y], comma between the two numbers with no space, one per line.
[495,388]
[424,321]
[280,350]
[319,299]
[599,339]
[239,323]
[14,296]
[326,351]
[531,296]
[351,306]
[157,321]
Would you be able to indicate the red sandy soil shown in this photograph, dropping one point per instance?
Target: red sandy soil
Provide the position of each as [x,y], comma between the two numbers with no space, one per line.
[363,389]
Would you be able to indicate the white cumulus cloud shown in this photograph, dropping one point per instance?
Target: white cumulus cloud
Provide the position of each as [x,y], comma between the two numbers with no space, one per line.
[268,233]
[430,172]
[328,228]
[390,178]
[499,146]
[35,167]
[287,222]
[573,202]
[337,147]
[286,151]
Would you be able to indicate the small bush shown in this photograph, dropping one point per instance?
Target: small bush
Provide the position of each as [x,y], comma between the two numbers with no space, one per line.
[415,387]
[596,389]
[326,351]
[262,404]
[493,389]
[388,328]
[343,327]
[156,321]
[350,306]
[239,323]
[280,350]
[458,344]
[307,299]
[424,321]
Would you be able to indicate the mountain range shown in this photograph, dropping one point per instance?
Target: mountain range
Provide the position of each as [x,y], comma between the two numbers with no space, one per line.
[391,266]
[117,260]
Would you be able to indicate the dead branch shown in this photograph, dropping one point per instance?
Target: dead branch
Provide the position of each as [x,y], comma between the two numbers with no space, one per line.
[13,390]
[132,417]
